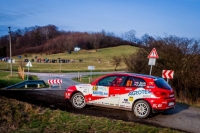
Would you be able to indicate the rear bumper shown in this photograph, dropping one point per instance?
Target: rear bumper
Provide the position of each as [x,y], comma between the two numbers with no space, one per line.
[161,110]
[161,105]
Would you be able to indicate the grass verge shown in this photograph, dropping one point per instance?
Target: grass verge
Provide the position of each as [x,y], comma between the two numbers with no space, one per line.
[21,117]
[6,79]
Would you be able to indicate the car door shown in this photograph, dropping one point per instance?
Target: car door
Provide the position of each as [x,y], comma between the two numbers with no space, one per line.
[105,93]
[130,85]
[115,90]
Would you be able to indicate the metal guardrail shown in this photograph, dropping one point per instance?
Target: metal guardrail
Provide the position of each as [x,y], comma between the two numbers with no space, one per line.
[25,83]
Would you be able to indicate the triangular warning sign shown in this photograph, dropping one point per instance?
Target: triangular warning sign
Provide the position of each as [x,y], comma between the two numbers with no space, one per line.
[29,64]
[153,54]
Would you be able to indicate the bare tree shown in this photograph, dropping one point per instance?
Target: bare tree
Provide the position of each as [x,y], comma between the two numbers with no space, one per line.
[130,36]
[117,60]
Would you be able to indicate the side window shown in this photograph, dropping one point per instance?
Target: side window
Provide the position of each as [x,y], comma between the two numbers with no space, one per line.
[106,81]
[135,82]
[112,81]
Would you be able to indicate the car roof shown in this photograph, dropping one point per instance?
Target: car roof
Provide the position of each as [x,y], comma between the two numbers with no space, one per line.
[134,74]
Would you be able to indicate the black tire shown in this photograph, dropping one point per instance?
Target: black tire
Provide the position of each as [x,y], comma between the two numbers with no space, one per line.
[142,109]
[78,100]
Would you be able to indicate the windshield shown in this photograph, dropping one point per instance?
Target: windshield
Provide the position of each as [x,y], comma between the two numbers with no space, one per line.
[161,83]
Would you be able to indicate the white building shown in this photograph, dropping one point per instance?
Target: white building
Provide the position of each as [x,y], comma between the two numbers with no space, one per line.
[76,49]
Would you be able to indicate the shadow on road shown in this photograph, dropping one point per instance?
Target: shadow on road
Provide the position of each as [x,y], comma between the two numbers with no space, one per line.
[178,108]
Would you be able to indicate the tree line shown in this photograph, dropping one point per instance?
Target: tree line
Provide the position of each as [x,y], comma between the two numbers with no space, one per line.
[175,53]
[49,40]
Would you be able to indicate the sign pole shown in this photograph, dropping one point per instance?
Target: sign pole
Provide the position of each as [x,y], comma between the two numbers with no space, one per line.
[91,68]
[28,72]
[150,70]
[28,65]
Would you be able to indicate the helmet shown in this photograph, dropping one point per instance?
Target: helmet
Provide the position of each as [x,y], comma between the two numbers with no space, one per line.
[119,80]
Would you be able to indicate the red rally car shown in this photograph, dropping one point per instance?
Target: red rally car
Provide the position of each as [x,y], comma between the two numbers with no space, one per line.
[142,94]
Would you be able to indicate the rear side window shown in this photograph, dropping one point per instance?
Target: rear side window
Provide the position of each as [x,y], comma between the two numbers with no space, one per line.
[135,82]
[161,83]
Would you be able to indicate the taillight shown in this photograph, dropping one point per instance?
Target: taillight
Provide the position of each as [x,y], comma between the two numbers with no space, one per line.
[160,94]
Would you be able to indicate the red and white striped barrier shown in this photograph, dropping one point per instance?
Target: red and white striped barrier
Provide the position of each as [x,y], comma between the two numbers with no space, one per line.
[55,81]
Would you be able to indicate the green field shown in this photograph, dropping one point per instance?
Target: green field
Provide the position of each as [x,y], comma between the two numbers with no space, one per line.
[89,57]
[21,117]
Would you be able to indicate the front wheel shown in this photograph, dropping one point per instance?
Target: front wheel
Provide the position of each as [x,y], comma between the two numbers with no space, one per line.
[78,100]
[142,109]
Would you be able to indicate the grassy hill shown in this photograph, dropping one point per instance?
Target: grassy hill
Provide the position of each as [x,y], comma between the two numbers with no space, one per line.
[89,57]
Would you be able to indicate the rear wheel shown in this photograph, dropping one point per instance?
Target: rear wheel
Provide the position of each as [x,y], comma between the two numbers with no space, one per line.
[142,109]
[78,100]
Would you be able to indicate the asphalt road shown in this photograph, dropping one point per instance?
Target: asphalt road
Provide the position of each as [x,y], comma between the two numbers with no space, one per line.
[183,117]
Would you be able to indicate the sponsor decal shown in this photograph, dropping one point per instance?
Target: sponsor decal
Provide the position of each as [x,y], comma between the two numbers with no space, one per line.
[128,106]
[100,88]
[129,89]
[154,105]
[131,99]
[67,95]
[111,104]
[151,83]
[126,102]
[69,90]
[151,86]
[164,102]
[94,88]
[116,104]
[139,83]
[159,105]
[122,106]
[139,92]
[100,91]
[106,103]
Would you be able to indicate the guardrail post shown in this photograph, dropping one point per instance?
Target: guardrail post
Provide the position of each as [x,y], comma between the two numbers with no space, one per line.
[38,85]
[59,85]
[26,86]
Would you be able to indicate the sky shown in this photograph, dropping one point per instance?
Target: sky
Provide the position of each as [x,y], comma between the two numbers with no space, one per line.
[156,18]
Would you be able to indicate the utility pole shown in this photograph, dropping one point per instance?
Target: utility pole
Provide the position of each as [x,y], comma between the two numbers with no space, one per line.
[10,52]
